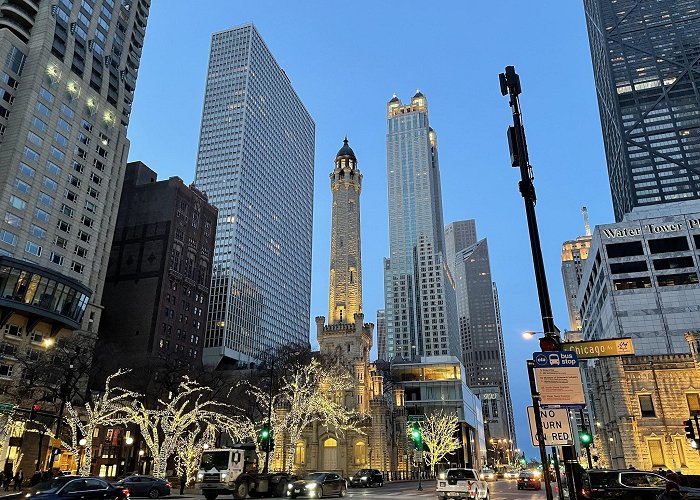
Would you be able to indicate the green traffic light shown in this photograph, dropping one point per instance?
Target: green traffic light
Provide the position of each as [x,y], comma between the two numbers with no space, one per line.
[586,438]
[265,433]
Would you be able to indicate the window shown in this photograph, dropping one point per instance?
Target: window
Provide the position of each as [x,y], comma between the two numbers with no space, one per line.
[25,169]
[84,236]
[60,242]
[656,452]
[80,153]
[360,452]
[628,249]
[93,193]
[677,279]
[48,96]
[101,151]
[80,251]
[18,203]
[13,220]
[42,109]
[5,370]
[63,226]
[300,453]
[67,111]
[70,195]
[693,399]
[87,221]
[86,125]
[22,186]
[30,154]
[74,181]
[45,199]
[39,124]
[49,183]
[60,139]
[90,207]
[98,165]
[83,138]
[676,244]
[632,283]
[38,232]
[78,167]
[95,178]
[646,405]
[39,214]
[64,124]
[77,267]
[57,153]
[35,139]
[8,237]
[56,258]
[32,248]
[680,451]
[673,263]
[66,210]
[53,168]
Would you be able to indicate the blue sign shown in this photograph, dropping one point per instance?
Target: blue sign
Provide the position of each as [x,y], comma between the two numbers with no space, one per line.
[555,359]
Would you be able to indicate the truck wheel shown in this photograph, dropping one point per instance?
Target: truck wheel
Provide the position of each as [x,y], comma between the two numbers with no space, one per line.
[241,491]
[210,496]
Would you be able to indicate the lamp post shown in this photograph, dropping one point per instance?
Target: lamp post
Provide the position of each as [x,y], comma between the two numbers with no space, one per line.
[141,452]
[64,394]
[129,441]
[81,452]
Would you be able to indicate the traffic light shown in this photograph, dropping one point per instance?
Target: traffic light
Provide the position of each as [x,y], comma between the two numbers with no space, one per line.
[689,429]
[416,436]
[550,343]
[265,438]
[35,408]
[586,438]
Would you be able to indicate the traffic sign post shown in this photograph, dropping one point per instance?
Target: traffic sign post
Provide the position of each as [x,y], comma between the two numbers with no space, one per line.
[556,426]
[590,349]
[559,379]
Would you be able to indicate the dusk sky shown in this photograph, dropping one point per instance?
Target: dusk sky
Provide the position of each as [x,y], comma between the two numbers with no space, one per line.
[346,59]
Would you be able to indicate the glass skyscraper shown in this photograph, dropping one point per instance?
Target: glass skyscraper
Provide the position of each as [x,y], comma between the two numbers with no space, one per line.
[256,164]
[68,70]
[645,56]
[419,300]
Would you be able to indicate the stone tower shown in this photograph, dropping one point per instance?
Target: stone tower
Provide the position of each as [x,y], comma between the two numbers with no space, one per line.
[345,290]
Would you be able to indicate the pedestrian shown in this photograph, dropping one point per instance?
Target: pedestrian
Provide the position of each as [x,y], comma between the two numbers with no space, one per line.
[183,482]
[673,491]
[36,479]
[6,480]
[19,477]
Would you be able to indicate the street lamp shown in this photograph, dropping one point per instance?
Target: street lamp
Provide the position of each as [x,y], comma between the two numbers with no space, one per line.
[128,441]
[141,453]
[81,452]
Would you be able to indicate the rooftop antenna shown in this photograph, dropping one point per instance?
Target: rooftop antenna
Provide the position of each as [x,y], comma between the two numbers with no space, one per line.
[586,225]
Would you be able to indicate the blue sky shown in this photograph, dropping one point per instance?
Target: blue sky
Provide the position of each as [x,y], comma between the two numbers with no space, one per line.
[345,59]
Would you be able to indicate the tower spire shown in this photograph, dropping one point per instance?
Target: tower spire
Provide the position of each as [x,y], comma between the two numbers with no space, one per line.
[586,225]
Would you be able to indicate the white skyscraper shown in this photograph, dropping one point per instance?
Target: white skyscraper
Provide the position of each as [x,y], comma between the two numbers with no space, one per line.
[256,164]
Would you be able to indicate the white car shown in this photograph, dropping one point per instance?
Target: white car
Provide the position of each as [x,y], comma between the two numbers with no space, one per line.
[461,484]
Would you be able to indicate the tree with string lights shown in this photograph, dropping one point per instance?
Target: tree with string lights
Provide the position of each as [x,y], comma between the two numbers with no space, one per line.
[438,435]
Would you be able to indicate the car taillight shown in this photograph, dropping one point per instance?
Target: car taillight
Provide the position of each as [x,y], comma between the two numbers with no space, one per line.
[126,492]
[168,484]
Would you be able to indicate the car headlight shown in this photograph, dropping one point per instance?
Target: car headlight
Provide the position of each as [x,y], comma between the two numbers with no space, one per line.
[441,475]
[200,476]
[311,486]
[290,486]
[224,475]
[364,478]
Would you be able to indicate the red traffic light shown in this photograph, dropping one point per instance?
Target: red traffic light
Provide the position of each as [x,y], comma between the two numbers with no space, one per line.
[36,407]
[550,343]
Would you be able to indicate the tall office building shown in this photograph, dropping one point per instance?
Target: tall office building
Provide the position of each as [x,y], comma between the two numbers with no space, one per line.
[156,294]
[381,335]
[68,77]
[256,164]
[573,259]
[419,300]
[481,334]
[644,56]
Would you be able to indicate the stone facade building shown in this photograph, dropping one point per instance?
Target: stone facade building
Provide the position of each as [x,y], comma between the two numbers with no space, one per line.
[640,403]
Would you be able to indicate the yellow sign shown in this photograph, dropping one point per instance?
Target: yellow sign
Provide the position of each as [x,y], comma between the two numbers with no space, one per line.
[600,348]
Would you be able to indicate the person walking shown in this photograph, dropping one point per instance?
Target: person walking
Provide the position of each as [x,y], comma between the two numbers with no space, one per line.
[19,477]
[183,482]
[673,492]
[6,480]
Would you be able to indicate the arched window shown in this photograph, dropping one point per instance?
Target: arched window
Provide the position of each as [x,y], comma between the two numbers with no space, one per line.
[330,454]
[360,452]
[300,453]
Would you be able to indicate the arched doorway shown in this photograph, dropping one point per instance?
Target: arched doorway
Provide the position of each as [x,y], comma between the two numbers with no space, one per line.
[330,454]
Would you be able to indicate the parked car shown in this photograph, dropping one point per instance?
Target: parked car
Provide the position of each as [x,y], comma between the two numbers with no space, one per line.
[318,485]
[528,480]
[629,484]
[84,488]
[145,486]
[488,475]
[367,478]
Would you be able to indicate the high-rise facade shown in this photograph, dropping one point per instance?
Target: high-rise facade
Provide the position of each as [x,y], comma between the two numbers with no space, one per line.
[481,333]
[68,77]
[156,293]
[381,335]
[573,259]
[256,164]
[419,300]
[644,56]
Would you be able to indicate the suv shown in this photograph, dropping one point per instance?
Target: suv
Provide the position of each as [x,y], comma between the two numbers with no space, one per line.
[529,480]
[461,484]
[629,484]
[367,478]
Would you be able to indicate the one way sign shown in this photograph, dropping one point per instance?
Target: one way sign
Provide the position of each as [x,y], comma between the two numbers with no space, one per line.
[555,425]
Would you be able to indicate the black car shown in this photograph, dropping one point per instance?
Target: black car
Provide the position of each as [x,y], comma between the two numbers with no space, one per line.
[367,478]
[318,485]
[528,480]
[76,487]
[145,486]
[629,484]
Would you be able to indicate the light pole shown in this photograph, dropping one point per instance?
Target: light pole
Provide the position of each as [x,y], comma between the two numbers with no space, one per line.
[129,442]
[82,444]
[141,452]
[63,394]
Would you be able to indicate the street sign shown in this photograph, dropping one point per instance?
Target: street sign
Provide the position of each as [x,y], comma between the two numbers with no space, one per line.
[559,379]
[6,407]
[416,418]
[556,426]
[600,348]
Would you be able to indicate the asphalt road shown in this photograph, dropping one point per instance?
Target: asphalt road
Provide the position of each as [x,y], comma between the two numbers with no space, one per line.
[500,490]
